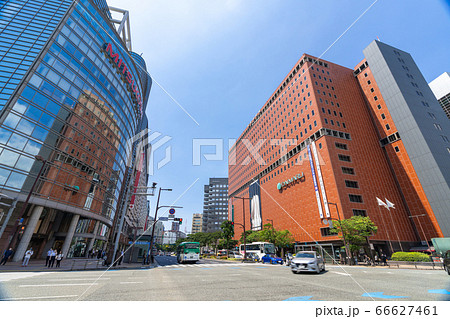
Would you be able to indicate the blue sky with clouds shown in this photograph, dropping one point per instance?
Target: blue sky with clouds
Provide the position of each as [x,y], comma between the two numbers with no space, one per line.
[222,59]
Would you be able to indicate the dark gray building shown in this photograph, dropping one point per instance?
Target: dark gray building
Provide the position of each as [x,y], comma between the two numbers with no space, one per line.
[215,205]
[420,121]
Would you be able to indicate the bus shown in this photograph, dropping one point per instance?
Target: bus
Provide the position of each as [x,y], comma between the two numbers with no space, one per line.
[188,252]
[258,248]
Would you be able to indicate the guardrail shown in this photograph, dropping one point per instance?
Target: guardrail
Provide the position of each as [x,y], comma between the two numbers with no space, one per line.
[415,264]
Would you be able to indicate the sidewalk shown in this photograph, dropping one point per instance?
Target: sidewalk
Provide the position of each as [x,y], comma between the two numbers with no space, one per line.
[76,264]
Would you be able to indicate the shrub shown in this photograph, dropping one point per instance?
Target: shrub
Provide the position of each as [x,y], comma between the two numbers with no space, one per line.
[405,256]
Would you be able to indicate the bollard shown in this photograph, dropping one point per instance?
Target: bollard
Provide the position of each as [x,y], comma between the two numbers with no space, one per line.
[73,263]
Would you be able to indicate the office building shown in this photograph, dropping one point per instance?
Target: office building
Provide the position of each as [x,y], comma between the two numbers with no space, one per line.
[197,221]
[72,94]
[441,89]
[215,204]
[332,140]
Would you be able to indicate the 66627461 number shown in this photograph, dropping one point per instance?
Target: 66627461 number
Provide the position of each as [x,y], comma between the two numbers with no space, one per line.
[406,310]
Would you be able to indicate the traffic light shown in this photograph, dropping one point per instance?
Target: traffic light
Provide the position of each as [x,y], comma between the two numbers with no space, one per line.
[180,220]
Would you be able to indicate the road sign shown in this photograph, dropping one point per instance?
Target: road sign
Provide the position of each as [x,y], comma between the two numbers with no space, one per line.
[163,219]
[172,211]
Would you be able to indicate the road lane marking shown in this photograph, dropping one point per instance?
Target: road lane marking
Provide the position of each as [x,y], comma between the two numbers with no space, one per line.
[40,297]
[340,273]
[58,285]
[131,282]
[75,279]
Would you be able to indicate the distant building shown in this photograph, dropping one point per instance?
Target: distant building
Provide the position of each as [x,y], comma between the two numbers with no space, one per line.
[175,226]
[170,237]
[197,220]
[159,230]
[215,206]
[441,89]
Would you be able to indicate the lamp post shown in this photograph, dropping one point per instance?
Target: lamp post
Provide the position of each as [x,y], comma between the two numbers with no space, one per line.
[243,221]
[13,240]
[150,253]
[270,220]
[347,249]
[420,224]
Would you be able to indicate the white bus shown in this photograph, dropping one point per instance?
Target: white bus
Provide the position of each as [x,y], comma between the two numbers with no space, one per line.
[258,248]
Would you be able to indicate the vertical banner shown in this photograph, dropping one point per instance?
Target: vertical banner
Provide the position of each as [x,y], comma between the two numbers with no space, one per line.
[321,183]
[254,192]
[319,203]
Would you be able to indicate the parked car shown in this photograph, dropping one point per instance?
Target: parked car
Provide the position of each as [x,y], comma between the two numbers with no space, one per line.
[235,254]
[271,259]
[446,261]
[307,261]
[253,257]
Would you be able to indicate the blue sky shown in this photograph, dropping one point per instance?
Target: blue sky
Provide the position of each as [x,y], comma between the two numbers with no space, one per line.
[222,59]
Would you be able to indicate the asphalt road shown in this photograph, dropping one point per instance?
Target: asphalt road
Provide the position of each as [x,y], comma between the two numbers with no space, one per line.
[221,281]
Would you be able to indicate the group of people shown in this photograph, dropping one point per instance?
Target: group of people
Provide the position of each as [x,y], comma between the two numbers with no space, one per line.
[377,260]
[52,255]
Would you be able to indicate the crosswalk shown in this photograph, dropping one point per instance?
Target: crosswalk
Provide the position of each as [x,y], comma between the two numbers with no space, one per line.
[215,265]
[7,276]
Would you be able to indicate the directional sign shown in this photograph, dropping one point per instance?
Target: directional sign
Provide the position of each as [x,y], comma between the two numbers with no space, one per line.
[172,211]
[163,219]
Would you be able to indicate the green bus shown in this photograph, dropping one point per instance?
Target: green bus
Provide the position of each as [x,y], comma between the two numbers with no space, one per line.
[188,252]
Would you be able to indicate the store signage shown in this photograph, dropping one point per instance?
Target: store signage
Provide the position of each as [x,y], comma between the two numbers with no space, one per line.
[125,74]
[290,181]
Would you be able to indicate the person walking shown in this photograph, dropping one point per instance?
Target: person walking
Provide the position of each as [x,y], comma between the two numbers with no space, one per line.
[6,256]
[47,259]
[121,257]
[52,258]
[27,257]
[384,259]
[59,257]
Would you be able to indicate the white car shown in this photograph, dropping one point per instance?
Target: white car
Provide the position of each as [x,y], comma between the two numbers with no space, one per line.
[233,254]
[307,261]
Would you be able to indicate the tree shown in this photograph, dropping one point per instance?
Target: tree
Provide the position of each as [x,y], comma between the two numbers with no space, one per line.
[357,231]
[227,232]
[283,239]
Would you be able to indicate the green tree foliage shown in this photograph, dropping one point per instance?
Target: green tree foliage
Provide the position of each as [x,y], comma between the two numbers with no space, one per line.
[282,239]
[357,230]
[227,232]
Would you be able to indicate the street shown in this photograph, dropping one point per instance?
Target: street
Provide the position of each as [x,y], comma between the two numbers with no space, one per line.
[226,281]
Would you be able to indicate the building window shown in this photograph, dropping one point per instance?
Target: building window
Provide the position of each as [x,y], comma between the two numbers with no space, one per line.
[396,149]
[383,116]
[355,198]
[348,170]
[372,90]
[445,138]
[341,146]
[388,127]
[379,106]
[375,98]
[359,212]
[438,127]
[344,158]
[325,232]
[351,184]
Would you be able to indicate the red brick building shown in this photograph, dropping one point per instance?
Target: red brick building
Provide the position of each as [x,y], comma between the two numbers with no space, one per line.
[316,148]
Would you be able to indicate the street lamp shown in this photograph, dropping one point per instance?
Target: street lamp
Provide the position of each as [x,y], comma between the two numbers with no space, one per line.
[347,249]
[270,220]
[154,221]
[243,226]
[420,224]
[12,242]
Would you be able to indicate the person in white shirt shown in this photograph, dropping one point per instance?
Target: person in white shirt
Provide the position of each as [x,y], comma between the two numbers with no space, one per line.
[59,257]
[27,257]
[52,258]
[47,259]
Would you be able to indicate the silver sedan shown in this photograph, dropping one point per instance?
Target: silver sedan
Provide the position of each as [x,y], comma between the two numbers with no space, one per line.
[307,261]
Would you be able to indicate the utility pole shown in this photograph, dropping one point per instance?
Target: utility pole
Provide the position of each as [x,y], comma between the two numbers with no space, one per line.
[243,222]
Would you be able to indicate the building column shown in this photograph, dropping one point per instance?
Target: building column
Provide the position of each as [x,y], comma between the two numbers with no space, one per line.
[69,236]
[28,233]
[91,242]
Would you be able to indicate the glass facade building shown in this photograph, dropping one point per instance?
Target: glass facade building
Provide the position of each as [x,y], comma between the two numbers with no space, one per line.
[71,95]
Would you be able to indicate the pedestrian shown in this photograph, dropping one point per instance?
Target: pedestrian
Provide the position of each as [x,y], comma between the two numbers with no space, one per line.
[121,257]
[27,257]
[52,258]
[6,256]
[376,259]
[47,259]
[59,257]
[384,259]
[144,259]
